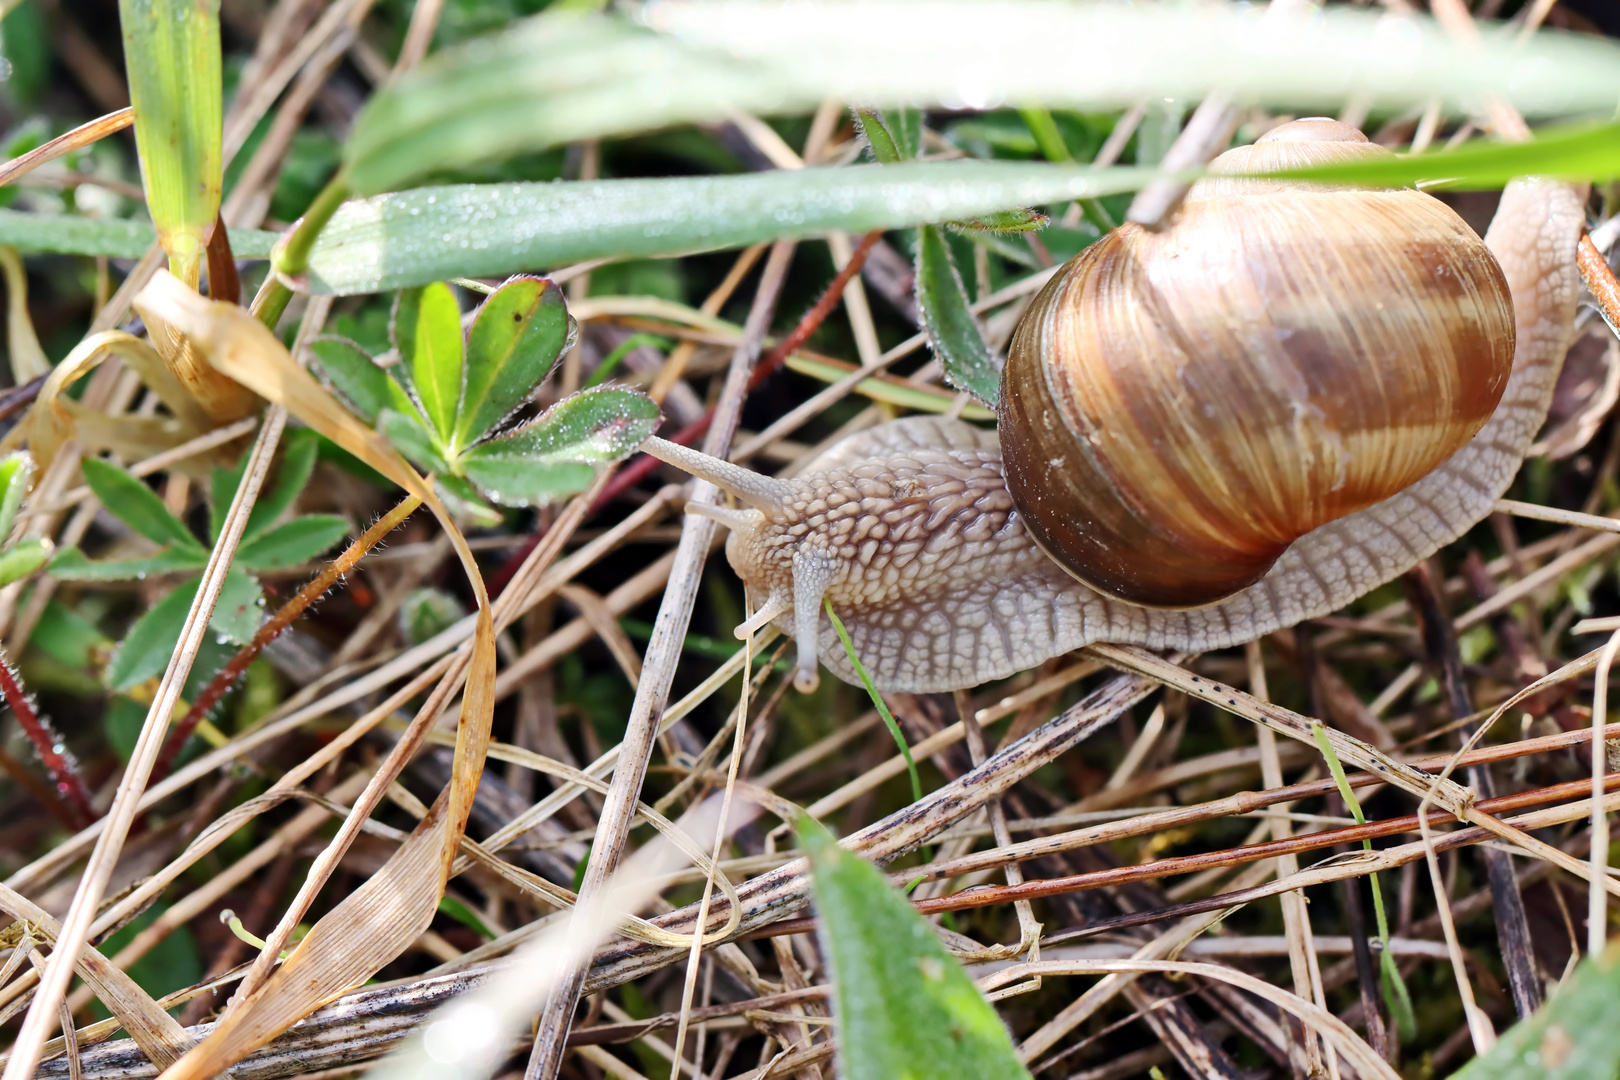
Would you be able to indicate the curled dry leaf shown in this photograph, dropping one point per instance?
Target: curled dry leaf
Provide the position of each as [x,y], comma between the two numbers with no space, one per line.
[378,921]
[57,418]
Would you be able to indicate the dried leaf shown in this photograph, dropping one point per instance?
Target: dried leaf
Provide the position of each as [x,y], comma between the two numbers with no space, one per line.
[28,361]
[159,1035]
[375,923]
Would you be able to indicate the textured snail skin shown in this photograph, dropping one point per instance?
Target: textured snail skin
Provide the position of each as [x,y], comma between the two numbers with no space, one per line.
[1181,405]
[911,533]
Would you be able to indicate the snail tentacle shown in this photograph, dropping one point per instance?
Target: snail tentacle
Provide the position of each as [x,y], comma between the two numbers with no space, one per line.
[813,571]
[764,493]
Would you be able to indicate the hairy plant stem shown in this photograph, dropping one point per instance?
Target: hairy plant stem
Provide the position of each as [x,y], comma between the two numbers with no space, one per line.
[289,612]
[65,778]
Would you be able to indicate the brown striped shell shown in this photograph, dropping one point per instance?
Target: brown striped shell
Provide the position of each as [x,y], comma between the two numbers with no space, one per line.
[1180,406]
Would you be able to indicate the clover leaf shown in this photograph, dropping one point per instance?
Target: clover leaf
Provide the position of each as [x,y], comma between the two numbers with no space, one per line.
[444,401]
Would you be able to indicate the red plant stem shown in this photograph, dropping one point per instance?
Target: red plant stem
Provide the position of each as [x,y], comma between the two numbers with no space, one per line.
[272,629]
[48,745]
[633,474]
[1038,888]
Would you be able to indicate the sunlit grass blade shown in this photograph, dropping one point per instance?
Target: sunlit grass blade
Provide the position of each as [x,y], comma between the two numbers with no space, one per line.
[1570,152]
[604,76]
[172,61]
[395,241]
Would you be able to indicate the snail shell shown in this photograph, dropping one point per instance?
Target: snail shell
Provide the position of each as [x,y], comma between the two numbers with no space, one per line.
[910,531]
[1180,406]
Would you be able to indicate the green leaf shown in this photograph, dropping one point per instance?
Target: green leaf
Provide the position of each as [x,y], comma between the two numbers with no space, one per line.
[464,502]
[70,234]
[607,76]
[393,241]
[521,481]
[410,438]
[952,330]
[65,635]
[221,492]
[171,59]
[346,368]
[16,470]
[1573,152]
[1572,1037]
[903,1005]
[1004,221]
[297,463]
[299,540]
[466,916]
[905,126]
[558,454]
[426,612]
[427,333]
[22,559]
[71,564]
[884,152]
[515,341]
[1047,136]
[128,499]
[240,608]
[150,643]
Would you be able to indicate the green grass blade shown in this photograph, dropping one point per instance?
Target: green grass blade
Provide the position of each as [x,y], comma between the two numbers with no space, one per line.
[904,1006]
[171,57]
[877,702]
[1572,1037]
[605,76]
[396,241]
[952,330]
[1569,152]
[1396,995]
[70,234]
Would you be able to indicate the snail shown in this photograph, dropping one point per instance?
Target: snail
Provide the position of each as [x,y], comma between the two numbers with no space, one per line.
[1289,396]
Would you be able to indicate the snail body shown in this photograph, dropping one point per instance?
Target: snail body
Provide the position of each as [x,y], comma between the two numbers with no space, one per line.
[917,533]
